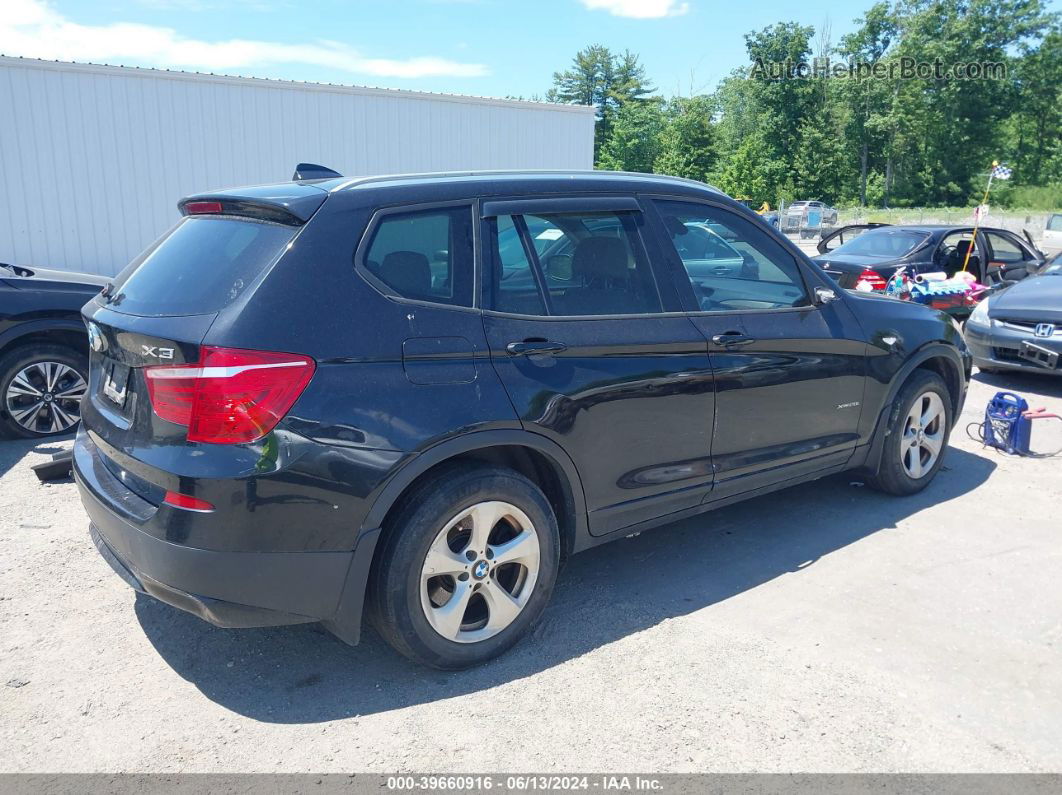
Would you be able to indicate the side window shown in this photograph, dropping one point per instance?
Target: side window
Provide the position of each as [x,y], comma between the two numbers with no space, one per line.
[953,249]
[515,285]
[589,263]
[425,255]
[1004,250]
[730,262]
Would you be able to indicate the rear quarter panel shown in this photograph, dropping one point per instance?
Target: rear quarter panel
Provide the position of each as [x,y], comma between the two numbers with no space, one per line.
[393,378]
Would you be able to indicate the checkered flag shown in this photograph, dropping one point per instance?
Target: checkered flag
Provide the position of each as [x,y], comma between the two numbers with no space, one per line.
[1001,172]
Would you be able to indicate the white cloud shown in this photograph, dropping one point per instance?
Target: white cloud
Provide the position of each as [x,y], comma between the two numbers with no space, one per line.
[31,28]
[639,9]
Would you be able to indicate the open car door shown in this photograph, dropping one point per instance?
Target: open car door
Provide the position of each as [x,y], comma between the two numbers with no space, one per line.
[838,237]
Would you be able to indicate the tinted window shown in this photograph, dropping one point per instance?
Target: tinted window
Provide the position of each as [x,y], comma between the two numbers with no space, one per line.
[1004,249]
[590,263]
[515,287]
[425,255]
[199,267]
[732,264]
[1054,223]
[885,242]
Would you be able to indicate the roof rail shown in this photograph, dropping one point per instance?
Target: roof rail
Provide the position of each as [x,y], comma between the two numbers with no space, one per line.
[369,180]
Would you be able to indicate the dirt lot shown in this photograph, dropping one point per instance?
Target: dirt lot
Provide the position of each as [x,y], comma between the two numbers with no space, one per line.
[825,628]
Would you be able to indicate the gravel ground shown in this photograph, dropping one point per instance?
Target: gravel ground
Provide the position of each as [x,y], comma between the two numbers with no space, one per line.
[823,628]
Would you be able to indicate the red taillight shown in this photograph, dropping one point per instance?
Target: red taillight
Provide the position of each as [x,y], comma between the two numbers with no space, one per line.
[202,208]
[871,280]
[187,503]
[229,396]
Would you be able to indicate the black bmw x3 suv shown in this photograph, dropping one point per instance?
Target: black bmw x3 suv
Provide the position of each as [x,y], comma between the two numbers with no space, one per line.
[414,396]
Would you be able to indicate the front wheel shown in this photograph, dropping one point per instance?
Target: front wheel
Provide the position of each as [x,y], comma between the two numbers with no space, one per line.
[467,567]
[918,429]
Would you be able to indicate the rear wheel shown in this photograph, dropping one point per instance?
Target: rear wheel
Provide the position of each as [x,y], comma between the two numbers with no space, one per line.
[919,424]
[41,387]
[467,567]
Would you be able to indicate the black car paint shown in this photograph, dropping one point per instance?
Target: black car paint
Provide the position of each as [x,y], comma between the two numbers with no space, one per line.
[846,268]
[637,422]
[39,305]
[35,300]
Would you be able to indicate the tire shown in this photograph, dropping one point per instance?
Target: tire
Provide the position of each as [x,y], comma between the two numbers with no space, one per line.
[906,464]
[442,518]
[25,371]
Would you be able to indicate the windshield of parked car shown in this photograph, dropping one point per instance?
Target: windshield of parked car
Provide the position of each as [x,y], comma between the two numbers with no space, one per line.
[884,243]
[1054,223]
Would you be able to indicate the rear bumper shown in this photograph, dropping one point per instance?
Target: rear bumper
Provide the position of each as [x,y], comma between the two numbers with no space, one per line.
[216,611]
[998,347]
[228,589]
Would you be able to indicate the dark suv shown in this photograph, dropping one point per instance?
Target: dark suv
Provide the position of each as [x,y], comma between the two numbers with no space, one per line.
[418,394]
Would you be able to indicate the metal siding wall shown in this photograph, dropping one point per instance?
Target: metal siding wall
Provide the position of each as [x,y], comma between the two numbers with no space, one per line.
[94,159]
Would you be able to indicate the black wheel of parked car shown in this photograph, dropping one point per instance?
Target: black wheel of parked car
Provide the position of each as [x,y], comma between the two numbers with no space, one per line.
[41,387]
[919,424]
[466,568]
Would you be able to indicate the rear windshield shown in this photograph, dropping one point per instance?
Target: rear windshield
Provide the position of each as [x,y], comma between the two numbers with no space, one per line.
[882,243]
[200,267]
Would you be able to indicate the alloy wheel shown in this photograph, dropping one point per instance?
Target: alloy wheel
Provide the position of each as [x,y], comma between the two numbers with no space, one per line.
[923,435]
[479,572]
[45,397]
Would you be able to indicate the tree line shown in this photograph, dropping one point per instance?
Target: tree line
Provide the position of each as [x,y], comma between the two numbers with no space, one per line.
[877,137]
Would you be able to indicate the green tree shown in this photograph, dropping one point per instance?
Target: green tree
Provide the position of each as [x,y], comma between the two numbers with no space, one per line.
[755,172]
[1035,129]
[822,164]
[634,139]
[867,98]
[780,105]
[687,139]
[605,80]
[943,134]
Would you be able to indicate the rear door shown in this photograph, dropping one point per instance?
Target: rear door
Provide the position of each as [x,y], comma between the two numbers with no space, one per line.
[595,353]
[789,370]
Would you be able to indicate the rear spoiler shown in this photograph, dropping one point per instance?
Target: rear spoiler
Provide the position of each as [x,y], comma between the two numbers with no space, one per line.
[290,203]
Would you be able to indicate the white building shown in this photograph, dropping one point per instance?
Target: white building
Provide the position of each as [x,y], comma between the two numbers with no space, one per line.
[94,158]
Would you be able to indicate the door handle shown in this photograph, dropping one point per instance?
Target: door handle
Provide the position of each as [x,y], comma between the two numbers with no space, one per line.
[729,338]
[532,347]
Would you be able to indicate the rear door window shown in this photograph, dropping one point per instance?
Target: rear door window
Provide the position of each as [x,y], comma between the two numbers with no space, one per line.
[424,255]
[199,267]
[589,263]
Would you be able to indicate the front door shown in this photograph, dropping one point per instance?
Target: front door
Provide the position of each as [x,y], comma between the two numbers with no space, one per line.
[1011,259]
[596,356]
[789,371]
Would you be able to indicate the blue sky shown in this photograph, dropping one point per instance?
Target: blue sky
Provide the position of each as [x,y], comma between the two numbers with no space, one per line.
[481,47]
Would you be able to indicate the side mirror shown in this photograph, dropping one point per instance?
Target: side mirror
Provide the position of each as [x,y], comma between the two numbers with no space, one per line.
[824,295]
